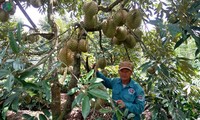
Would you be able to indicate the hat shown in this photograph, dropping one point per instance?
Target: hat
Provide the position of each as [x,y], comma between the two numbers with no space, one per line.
[126,65]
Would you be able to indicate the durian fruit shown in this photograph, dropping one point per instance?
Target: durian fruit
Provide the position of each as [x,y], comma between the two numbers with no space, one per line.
[151,70]
[109,28]
[72,44]
[130,41]
[66,56]
[121,33]
[134,19]
[116,41]
[138,33]
[105,72]
[31,38]
[4,16]
[83,45]
[90,21]
[36,3]
[120,17]
[101,63]
[61,70]
[27,98]
[90,8]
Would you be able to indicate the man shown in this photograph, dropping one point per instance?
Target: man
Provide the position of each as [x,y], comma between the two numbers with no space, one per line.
[127,93]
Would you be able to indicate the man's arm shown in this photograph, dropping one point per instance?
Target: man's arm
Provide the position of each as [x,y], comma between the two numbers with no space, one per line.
[138,106]
[106,81]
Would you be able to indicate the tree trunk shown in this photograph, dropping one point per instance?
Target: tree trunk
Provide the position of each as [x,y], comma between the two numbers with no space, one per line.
[55,85]
[73,83]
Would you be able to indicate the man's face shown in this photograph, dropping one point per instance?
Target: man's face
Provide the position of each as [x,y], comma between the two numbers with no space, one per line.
[125,74]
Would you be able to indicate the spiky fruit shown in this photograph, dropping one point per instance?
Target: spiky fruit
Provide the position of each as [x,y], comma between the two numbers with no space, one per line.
[65,55]
[121,33]
[31,38]
[151,70]
[36,3]
[105,72]
[101,63]
[134,19]
[120,17]
[83,45]
[72,44]
[4,16]
[116,41]
[90,8]
[109,28]
[90,21]
[130,41]
[138,33]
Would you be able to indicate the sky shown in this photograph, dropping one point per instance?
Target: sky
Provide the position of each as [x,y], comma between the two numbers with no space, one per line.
[33,14]
[36,16]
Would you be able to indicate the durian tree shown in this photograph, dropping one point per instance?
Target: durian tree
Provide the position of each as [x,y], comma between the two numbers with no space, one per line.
[101,32]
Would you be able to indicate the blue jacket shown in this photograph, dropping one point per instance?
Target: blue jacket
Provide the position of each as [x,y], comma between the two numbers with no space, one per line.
[132,95]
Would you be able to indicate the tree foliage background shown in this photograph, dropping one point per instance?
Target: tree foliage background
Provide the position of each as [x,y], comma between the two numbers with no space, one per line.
[30,70]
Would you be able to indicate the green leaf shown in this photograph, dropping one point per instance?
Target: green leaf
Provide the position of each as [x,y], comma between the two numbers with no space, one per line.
[194,7]
[126,112]
[31,85]
[174,29]
[197,52]
[11,98]
[95,85]
[18,65]
[95,80]
[46,112]
[42,117]
[77,100]
[105,110]
[89,75]
[4,112]
[19,30]
[13,43]
[9,83]
[164,69]
[26,116]
[72,91]
[15,104]
[119,114]
[3,73]
[183,39]
[26,74]
[131,115]
[85,106]
[159,7]
[146,65]
[99,93]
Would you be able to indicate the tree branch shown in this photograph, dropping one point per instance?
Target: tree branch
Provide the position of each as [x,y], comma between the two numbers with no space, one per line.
[110,7]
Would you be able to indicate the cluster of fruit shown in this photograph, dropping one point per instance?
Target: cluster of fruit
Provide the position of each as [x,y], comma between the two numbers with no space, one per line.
[90,18]
[66,54]
[7,8]
[118,26]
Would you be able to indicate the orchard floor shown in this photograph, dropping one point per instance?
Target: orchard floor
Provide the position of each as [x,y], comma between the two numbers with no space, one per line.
[74,115]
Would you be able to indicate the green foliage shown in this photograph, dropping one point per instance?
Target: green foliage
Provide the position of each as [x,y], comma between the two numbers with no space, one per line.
[90,88]
[85,106]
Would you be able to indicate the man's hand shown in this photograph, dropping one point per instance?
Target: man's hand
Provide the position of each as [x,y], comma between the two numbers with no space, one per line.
[120,103]
[94,66]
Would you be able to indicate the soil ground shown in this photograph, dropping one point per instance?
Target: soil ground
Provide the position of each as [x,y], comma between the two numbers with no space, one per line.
[74,115]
